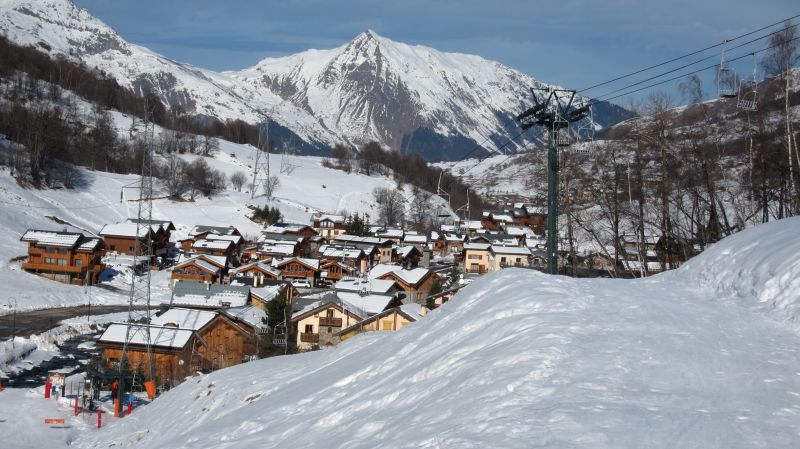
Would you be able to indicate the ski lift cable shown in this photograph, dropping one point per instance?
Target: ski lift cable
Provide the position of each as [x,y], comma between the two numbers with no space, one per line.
[685,56]
[692,73]
[698,61]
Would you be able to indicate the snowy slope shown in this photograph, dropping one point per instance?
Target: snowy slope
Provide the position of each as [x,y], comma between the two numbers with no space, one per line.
[520,359]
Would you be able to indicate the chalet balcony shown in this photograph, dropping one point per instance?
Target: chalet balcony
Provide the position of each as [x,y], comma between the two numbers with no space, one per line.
[309,338]
[478,270]
[296,274]
[41,266]
[333,322]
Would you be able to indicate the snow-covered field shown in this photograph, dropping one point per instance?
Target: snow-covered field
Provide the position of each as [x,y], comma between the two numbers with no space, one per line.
[702,357]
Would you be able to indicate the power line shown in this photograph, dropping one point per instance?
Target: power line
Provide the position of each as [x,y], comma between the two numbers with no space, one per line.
[685,56]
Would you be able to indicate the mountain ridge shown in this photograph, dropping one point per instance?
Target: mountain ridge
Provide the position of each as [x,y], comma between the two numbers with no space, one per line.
[411,98]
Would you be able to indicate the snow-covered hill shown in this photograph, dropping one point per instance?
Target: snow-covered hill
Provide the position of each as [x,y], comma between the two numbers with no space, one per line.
[520,359]
[411,98]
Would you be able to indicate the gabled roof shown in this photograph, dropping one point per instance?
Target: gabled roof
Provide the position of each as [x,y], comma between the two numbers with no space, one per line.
[251,315]
[267,293]
[405,251]
[89,244]
[309,263]
[201,263]
[199,294]
[331,251]
[409,311]
[159,336]
[410,277]
[277,249]
[330,217]
[381,286]
[415,238]
[354,239]
[329,300]
[235,239]
[52,238]
[477,246]
[184,318]
[219,261]
[257,265]
[222,245]
[125,230]
[286,228]
[166,225]
[516,250]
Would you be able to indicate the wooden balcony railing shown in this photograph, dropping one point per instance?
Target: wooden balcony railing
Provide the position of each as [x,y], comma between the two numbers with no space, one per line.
[309,338]
[335,322]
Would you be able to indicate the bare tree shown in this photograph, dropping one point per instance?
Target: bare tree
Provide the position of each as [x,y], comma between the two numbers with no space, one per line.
[238,180]
[209,144]
[391,205]
[271,185]
[420,207]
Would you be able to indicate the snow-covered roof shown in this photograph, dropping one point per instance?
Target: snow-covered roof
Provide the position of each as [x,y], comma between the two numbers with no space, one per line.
[477,246]
[345,253]
[235,239]
[169,337]
[218,260]
[52,238]
[200,294]
[517,250]
[257,264]
[200,262]
[390,233]
[285,228]
[371,304]
[266,293]
[184,318]
[331,298]
[411,277]
[313,263]
[249,314]
[219,230]
[330,217]
[347,238]
[415,238]
[125,230]
[89,244]
[369,285]
[405,251]
[212,244]
[279,249]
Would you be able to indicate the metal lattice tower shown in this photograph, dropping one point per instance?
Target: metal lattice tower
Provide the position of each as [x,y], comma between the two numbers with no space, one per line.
[258,167]
[142,253]
[555,113]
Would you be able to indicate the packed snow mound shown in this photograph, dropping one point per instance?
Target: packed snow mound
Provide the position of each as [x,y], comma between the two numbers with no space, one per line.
[760,266]
[517,359]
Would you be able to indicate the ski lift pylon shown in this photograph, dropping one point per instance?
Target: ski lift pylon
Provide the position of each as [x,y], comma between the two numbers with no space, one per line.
[727,81]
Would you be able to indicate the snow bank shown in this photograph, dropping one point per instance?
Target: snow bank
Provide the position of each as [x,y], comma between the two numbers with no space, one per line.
[759,266]
[517,359]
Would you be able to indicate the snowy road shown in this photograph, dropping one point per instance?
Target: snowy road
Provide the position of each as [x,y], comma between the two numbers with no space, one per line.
[37,321]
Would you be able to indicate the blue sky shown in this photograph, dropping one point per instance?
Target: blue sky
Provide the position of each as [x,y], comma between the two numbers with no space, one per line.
[575,43]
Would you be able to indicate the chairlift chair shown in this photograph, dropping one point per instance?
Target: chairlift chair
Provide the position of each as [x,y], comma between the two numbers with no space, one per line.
[279,337]
[748,91]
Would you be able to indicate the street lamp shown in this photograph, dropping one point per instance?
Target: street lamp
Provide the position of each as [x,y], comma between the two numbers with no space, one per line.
[13,304]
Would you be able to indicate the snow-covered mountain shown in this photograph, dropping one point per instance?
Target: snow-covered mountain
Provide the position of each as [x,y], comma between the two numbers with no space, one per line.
[411,98]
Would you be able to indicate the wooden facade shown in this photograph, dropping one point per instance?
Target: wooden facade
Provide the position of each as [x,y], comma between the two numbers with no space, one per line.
[171,364]
[221,344]
[389,320]
[71,258]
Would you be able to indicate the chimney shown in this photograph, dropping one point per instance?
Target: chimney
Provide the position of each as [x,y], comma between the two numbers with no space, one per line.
[423,310]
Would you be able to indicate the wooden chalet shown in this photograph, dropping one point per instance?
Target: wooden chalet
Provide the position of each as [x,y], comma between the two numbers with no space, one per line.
[416,283]
[162,235]
[127,238]
[317,324]
[334,270]
[224,248]
[409,256]
[218,230]
[68,257]
[329,226]
[201,268]
[378,249]
[299,268]
[182,341]
[259,272]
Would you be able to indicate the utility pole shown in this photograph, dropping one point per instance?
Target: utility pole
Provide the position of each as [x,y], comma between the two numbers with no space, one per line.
[555,113]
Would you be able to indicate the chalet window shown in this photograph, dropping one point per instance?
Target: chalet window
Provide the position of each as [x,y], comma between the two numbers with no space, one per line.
[78,262]
[519,260]
[130,248]
[113,247]
[474,256]
[329,313]
[503,260]
[309,329]
[329,329]
[62,262]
